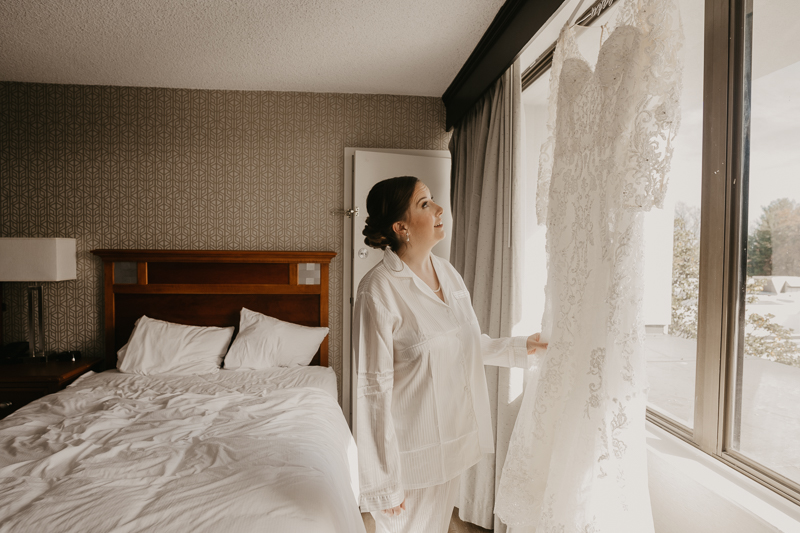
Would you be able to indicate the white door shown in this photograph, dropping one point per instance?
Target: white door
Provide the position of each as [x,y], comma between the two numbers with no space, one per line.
[368,167]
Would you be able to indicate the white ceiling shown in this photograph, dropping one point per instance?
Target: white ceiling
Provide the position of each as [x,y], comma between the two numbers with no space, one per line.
[404,47]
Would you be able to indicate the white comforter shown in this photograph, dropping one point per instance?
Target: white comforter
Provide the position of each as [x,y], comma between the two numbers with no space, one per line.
[227,452]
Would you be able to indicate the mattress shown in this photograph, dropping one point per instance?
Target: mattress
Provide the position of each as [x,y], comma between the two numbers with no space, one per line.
[230,451]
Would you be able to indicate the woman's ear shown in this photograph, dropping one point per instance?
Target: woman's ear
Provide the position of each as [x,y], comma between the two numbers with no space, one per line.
[399,228]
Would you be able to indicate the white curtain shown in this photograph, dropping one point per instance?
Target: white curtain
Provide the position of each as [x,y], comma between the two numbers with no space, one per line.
[487,198]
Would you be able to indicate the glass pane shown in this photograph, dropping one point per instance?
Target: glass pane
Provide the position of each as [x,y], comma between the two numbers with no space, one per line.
[768,418]
[534,102]
[534,108]
[672,247]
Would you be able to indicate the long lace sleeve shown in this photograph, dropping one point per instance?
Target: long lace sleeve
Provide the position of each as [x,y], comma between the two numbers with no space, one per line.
[378,454]
[657,112]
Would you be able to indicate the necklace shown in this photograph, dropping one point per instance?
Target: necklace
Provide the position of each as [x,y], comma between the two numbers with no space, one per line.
[440,283]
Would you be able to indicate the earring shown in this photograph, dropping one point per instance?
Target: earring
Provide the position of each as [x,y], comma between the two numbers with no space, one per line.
[408,236]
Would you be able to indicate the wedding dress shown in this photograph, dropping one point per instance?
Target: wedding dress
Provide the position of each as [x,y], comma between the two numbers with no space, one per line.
[577,460]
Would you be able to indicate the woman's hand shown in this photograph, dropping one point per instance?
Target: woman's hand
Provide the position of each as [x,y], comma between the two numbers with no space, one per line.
[394,511]
[533,343]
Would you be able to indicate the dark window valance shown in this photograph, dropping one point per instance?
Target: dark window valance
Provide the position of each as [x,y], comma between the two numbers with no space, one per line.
[512,28]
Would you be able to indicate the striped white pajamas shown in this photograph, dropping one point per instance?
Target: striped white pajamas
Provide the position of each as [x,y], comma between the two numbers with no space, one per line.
[427,510]
[422,410]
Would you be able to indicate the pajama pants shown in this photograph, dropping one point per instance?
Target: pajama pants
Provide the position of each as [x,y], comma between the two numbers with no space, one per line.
[427,510]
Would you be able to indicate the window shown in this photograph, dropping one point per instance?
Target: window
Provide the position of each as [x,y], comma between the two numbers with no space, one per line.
[766,418]
[672,251]
[534,106]
[722,300]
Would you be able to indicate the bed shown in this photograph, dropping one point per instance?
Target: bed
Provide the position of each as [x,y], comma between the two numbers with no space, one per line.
[256,450]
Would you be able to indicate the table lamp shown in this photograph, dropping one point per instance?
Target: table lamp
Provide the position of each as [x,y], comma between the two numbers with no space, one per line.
[36,260]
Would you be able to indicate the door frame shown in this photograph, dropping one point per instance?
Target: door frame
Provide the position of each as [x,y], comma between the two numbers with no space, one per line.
[348,362]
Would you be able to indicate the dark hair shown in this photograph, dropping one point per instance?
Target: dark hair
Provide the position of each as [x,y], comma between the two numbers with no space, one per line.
[387,202]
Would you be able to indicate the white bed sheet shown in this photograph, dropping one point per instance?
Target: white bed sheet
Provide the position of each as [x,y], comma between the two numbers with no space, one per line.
[228,452]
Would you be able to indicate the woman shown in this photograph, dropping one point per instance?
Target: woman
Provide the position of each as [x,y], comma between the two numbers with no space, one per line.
[423,405]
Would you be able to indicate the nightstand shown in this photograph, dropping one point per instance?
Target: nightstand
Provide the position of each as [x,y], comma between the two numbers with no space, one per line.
[21,383]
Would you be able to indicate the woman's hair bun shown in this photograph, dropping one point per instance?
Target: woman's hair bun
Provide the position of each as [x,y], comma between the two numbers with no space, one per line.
[374,236]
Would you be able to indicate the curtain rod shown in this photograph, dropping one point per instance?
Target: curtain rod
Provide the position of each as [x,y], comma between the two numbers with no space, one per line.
[544,61]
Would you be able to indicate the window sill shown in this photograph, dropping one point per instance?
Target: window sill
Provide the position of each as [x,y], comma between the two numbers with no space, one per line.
[671,457]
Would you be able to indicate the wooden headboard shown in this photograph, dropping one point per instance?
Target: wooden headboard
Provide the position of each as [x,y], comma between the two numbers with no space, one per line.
[209,288]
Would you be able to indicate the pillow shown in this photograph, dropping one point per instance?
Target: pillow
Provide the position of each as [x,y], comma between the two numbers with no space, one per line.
[265,342]
[158,347]
[122,351]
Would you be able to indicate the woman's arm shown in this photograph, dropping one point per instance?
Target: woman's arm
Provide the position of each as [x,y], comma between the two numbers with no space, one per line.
[511,352]
[378,455]
[517,352]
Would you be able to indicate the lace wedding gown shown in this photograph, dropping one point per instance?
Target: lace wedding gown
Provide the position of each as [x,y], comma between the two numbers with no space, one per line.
[577,458]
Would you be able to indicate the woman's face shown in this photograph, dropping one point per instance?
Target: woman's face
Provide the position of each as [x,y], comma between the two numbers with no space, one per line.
[423,220]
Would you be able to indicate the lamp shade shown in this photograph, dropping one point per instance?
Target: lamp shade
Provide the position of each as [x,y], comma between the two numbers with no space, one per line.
[37,259]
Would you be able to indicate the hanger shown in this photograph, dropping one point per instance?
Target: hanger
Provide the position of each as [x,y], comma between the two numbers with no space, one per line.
[595,11]
[577,10]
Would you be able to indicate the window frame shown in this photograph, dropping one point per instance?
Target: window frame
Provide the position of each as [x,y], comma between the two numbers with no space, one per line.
[726,44]
[723,239]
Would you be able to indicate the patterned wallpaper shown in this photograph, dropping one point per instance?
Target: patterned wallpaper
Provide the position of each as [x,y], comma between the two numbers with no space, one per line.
[128,167]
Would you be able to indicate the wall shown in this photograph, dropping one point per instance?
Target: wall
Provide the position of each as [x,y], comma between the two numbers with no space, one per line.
[126,167]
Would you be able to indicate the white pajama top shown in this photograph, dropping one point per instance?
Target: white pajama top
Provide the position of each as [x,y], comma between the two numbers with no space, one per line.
[423,406]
